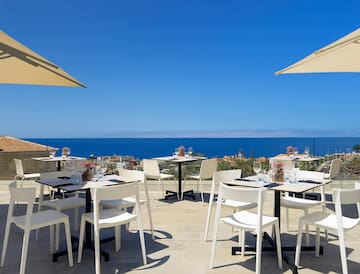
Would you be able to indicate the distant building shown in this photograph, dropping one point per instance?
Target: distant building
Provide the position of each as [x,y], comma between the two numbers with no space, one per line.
[11,147]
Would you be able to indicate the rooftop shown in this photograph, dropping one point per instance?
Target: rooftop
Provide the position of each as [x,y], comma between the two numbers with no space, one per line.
[12,144]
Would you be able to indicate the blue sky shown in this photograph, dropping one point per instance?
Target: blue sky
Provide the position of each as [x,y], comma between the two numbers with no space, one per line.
[181,68]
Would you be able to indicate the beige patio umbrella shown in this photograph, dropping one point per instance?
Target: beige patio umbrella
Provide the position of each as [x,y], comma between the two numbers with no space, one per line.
[342,55]
[20,65]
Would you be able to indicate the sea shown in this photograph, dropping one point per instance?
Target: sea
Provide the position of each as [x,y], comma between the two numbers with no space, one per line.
[142,148]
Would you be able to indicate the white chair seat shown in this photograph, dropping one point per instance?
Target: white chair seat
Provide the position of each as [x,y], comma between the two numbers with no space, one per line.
[41,219]
[299,203]
[194,176]
[166,176]
[110,217]
[328,221]
[247,220]
[63,204]
[32,175]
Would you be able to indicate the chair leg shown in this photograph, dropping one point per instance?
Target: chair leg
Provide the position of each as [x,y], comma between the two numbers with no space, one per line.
[287,219]
[117,238]
[298,244]
[307,229]
[201,191]
[183,188]
[211,201]
[326,231]
[242,232]
[177,193]
[81,239]
[278,244]
[41,198]
[52,248]
[317,242]
[342,251]
[162,188]
[68,241]
[21,182]
[142,240]
[213,246]
[57,236]
[24,251]
[158,189]
[5,243]
[147,202]
[258,252]
[97,249]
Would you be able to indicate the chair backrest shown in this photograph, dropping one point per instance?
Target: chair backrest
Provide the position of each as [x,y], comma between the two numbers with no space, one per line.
[132,175]
[22,195]
[151,168]
[243,194]
[19,167]
[343,197]
[310,175]
[114,192]
[226,175]
[334,168]
[207,168]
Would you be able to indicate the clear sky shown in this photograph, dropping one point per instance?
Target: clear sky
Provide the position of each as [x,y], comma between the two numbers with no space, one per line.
[181,68]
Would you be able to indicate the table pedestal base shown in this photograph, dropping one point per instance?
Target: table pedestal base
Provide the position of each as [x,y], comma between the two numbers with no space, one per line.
[188,193]
[103,253]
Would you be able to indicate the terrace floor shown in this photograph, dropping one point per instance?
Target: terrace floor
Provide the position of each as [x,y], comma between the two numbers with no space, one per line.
[179,246]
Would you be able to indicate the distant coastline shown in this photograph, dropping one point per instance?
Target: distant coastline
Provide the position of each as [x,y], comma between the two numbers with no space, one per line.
[211,147]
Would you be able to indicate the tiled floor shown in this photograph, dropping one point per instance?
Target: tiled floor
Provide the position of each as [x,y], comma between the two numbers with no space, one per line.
[179,246]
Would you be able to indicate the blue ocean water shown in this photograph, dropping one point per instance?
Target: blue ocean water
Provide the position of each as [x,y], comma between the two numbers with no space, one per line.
[153,147]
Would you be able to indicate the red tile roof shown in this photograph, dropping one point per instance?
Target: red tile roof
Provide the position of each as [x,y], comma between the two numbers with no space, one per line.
[12,144]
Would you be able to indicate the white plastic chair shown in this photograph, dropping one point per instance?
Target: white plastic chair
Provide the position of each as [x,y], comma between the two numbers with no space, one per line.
[207,169]
[225,176]
[21,175]
[111,217]
[152,172]
[245,220]
[288,201]
[334,222]
[125,203]
[334,169]
[32,221]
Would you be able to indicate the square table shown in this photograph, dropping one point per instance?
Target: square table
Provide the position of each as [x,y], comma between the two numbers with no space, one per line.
[58,159]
